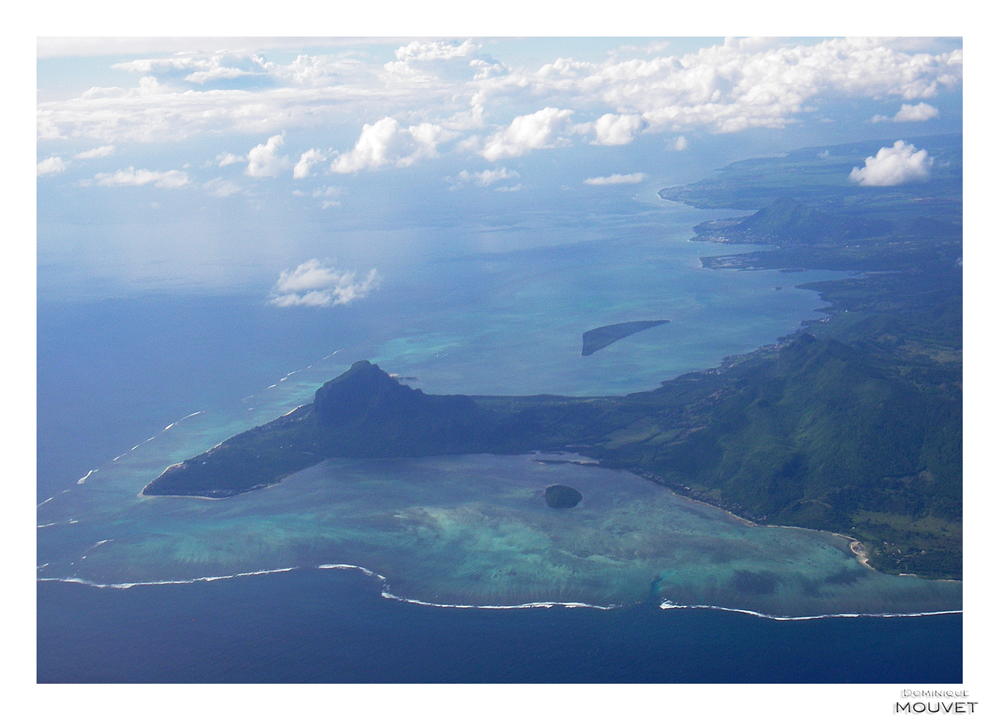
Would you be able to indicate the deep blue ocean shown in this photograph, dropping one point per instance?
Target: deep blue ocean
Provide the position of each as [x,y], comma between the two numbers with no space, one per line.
[118,368]
[334,627]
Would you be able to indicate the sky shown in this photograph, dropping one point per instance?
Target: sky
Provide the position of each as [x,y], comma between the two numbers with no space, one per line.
[238,163]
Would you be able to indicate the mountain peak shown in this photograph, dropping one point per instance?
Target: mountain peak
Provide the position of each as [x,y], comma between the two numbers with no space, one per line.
[362,389]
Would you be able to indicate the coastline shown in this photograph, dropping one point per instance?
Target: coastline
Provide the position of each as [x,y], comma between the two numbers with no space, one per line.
[387,594]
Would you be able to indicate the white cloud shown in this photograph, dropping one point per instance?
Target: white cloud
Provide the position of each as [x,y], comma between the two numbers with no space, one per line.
[899,164]
[131,176]
[225,159]
[426,62]
[485,178]
[916,113]
[454,86]
[680,143]
[614,129]
[101,152]
[386,142]
[198,68]
[736,85]
[327,195]
[617,179]
[306,161]
[50,166]
[508,188]
[529,132]
[316,284]
[263,160]
[220,188]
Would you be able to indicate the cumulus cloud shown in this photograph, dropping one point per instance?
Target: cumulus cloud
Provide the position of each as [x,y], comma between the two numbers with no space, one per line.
[529,132]
[306,161]
[220,188]
[101,152]
[916,113]
[50,166]
[225,159]
[199,68]
[315,284]
[617,179]
[680,143]
[484,178]
[739,84]
[909,114]
[263,160]
[386,142]
[902,163]
[614,129]
[454,86]
[131,176]
[443,60]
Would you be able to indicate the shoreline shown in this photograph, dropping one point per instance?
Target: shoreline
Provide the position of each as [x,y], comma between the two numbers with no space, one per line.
[386,593]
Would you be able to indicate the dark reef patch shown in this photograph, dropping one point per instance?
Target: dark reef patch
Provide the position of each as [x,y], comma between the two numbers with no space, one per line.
[594,340]
[562,496]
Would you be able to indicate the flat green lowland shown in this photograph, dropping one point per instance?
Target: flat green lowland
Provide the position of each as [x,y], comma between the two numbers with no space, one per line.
[594,340]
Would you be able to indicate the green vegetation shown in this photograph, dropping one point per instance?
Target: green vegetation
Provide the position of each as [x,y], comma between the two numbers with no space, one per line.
[853,424]
[818,177]
[594,340]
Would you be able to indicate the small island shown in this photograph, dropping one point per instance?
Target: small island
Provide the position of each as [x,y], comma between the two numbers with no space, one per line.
[559,496]
[594,340]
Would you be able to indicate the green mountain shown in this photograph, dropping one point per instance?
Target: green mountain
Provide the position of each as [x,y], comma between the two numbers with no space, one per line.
[788,222]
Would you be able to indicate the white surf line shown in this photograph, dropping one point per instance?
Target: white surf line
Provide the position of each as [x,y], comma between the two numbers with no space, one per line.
[291,373]
[387,594]
[350,566]
[99,543]
[89,474]
[201,579]
[393,597]
[46,525]
[668,605]
[157,435]
[245,399]
[533,604]
[81,481]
